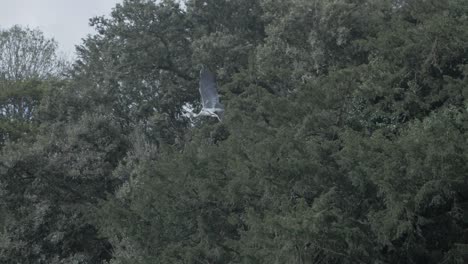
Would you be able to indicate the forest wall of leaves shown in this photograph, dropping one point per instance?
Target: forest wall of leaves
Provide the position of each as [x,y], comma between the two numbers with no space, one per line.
[345,137]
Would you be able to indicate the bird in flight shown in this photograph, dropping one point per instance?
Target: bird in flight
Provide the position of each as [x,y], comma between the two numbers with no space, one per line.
[209,95]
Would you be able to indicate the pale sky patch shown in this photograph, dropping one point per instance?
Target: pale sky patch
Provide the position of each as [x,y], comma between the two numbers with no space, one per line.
[67,21]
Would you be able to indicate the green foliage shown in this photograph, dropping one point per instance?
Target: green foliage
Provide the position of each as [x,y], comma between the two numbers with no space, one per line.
[344,140]
[50,186]
[20,102]
[29,68]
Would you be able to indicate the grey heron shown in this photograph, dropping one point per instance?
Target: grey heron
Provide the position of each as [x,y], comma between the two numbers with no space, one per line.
[209,95]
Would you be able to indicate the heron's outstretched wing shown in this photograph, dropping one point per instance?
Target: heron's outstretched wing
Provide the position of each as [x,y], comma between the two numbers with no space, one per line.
[209,90]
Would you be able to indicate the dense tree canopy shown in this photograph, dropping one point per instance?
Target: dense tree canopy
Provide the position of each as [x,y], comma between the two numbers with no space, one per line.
[29,64]
[345,138]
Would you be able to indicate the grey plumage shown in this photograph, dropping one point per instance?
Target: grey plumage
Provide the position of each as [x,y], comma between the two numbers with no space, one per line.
[209,95]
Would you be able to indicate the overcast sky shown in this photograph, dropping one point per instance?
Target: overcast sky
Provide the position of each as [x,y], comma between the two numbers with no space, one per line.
[64,20]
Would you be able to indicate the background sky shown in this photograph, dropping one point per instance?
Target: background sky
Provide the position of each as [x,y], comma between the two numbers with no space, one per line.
[64,20]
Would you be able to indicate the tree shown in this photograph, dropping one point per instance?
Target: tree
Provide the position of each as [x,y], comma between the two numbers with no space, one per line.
[29,68]
[344,139]
[26,54]
[309,165]
[50,185]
